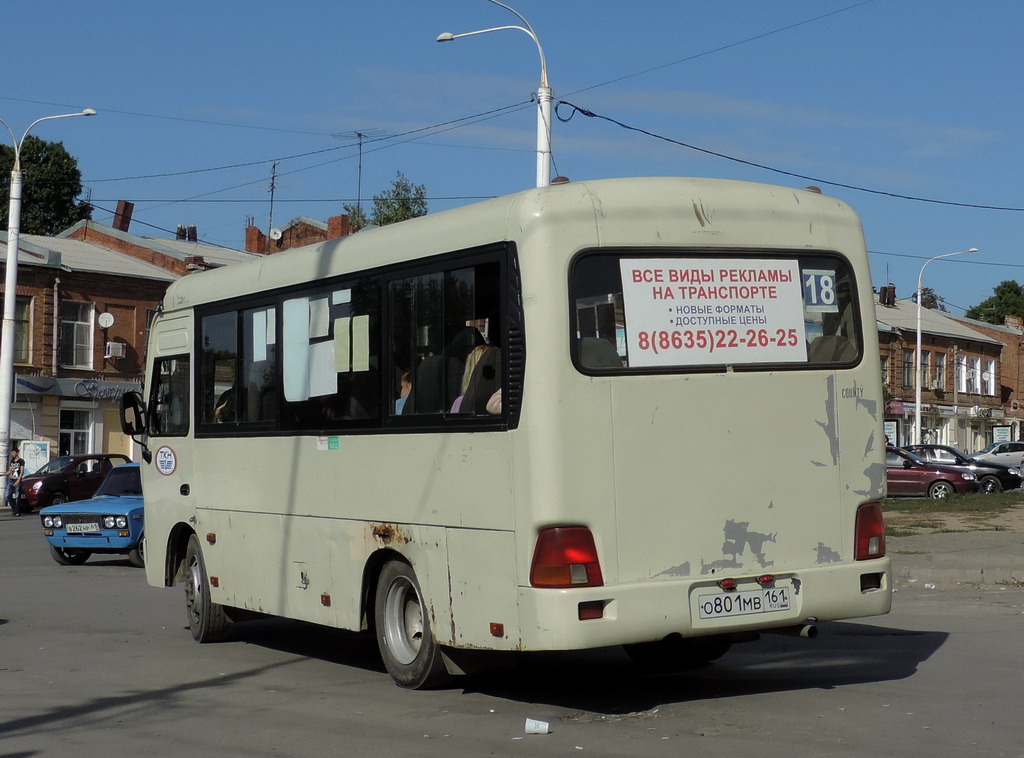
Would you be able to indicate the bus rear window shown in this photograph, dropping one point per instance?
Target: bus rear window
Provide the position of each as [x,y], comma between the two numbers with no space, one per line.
[656,312]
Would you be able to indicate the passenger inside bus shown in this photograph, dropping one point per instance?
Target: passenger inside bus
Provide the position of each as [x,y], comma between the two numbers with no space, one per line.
[468,375]
[484,381]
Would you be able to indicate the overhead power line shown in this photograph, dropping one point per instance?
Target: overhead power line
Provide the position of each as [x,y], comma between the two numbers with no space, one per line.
[817,180]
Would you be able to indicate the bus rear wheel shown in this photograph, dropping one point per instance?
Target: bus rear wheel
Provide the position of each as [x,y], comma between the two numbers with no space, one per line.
[206,619]
[410,653]
[677,654]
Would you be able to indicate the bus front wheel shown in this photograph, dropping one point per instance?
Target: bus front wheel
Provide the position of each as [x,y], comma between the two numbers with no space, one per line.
[206,619]
[410,653]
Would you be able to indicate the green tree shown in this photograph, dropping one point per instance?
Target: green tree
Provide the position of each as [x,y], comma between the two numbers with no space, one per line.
[931,300]
[402,201]
[1007,300]
[52,184]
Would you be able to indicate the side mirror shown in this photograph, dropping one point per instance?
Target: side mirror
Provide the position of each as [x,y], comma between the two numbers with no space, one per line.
[133,413]
[907,464]
[133,420]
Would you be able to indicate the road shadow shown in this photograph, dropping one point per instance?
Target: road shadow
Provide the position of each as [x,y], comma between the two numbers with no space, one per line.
[605,681]
[355,649]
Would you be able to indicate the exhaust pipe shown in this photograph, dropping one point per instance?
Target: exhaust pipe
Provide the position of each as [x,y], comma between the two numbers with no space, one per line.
[807,631]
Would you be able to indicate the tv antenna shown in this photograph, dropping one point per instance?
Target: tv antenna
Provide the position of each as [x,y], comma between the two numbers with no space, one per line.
[360,135]
[273,186]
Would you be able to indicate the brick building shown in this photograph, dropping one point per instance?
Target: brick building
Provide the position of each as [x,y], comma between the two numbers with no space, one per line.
[84,302]
[1011,367]
[964,385]
[300,231]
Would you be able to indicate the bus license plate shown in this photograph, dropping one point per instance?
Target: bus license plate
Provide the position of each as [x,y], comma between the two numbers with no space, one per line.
[744,603]
[81,528]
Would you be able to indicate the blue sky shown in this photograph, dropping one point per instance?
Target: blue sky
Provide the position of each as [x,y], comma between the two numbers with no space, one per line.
[904,97]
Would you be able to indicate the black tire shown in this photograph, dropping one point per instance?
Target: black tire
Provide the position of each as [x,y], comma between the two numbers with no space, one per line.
[410,653]
[940,489]
[69,557]
[206,618]
[137,555]
[58,498]
[990,485]
[677,654]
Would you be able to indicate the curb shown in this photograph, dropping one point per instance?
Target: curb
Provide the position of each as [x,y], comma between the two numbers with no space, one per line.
[981,557]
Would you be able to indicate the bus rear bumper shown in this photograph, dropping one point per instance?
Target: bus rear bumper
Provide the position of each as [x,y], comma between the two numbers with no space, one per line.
[648,611]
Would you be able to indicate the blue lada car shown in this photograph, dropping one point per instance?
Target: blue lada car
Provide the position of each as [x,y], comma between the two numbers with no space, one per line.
[111,522]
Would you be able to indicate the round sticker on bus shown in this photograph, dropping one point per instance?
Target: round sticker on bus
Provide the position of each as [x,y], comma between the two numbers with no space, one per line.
[166,461]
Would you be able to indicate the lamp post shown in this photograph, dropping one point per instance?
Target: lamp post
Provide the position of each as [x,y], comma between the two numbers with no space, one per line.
[543,93]
[10,292]
[917,354]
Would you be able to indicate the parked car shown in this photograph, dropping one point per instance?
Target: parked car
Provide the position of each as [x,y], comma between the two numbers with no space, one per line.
[907,475]
[69,477]
[992,477]
[1007,453]
[112,522]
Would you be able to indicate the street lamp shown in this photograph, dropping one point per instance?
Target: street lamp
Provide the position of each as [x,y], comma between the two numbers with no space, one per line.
[10,291]
[917,354]
[543,94]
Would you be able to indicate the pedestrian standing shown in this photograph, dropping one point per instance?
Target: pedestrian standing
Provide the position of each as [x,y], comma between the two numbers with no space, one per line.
[14,474]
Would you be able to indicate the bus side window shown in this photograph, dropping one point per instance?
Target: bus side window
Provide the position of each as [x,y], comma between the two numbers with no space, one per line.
[437,321]
[169,396]
[218,367]
[330,357]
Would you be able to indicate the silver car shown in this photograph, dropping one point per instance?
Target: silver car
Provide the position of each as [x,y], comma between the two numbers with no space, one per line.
[1007,453]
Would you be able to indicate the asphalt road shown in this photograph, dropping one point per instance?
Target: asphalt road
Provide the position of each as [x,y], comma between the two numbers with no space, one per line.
[93,662]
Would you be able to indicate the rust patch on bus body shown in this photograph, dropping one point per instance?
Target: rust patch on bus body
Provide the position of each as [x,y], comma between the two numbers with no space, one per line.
[389,534]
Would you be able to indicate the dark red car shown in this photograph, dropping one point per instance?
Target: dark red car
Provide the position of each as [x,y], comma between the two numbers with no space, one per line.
[69,477]
[908,474]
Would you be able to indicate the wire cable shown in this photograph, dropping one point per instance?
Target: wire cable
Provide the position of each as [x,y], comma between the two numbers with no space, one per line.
[817,180]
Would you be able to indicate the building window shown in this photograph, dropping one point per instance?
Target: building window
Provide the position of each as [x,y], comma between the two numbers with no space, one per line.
[961,373]
[885,369]
[939,377]
[23,330]
[76,334]
[975,376]
[74,433]
[988,376]
[908,368]
[926,358]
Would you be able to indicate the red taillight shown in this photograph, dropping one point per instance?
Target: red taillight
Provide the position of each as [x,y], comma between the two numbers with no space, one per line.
[565,556]
[870,532]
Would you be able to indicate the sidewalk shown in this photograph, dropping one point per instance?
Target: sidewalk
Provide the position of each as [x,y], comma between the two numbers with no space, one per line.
[958,548]
[980,557]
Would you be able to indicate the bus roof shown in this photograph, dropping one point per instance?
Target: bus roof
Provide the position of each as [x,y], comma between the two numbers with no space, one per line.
[647,212]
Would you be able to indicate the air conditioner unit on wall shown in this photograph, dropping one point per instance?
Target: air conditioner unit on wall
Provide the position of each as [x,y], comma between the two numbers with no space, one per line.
[115,350]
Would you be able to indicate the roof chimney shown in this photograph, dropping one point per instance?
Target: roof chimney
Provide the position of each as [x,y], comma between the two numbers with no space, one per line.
[179,233]
[193,235]
[123,216]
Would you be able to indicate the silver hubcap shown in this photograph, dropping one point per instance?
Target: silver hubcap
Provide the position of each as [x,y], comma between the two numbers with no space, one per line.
[403,621]
[193,591]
